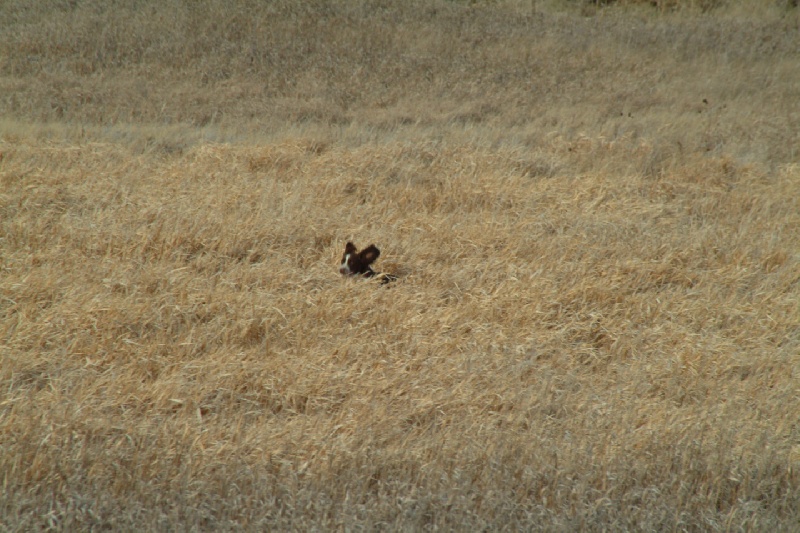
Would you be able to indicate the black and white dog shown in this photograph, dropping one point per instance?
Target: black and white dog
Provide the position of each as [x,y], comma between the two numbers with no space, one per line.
[355,263]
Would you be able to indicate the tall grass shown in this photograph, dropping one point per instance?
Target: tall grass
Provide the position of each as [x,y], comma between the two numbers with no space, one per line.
[592,212]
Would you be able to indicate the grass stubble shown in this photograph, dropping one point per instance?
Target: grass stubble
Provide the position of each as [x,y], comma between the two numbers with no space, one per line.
[593,213]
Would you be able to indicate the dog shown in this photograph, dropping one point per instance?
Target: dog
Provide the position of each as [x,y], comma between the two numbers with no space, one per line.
[355,263]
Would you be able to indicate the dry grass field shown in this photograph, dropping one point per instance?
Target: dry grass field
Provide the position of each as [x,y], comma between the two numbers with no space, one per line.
[593,211]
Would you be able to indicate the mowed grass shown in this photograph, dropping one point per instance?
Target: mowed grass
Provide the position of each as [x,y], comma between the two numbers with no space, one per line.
[596,323]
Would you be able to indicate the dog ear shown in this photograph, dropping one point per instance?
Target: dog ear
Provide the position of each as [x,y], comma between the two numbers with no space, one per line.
[370,254]
[349,248]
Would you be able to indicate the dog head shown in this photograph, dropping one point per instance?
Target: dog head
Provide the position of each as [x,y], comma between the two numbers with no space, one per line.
[355,263]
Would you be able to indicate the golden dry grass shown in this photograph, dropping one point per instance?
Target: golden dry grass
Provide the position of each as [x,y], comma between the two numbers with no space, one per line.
[594,220]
